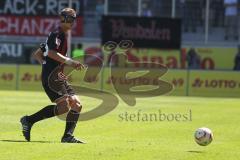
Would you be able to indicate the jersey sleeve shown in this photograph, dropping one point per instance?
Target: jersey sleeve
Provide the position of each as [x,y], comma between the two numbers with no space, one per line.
[43,47]
[52,41]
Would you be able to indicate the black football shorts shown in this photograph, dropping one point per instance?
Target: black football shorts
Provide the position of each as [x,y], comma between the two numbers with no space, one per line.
[57,89]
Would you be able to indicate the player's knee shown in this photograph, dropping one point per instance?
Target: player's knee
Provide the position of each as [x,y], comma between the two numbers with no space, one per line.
[75,104]
[62,107]
[77,107]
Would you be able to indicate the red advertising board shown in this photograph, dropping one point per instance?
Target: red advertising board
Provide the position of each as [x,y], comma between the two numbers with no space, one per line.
[36,18]
[33,25]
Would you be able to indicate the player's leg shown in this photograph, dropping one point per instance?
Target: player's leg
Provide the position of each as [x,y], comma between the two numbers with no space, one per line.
[71,120]
[49,111]
[73,115]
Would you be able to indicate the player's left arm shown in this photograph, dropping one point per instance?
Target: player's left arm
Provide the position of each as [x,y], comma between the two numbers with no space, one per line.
[38,54]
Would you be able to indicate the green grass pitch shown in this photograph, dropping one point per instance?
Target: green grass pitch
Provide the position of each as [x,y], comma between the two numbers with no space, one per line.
[113,137]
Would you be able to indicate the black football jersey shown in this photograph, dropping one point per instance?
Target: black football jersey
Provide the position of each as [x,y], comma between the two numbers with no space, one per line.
[57,40]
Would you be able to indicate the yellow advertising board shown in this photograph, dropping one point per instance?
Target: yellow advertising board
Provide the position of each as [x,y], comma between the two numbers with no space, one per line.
[118,80]
[115,79]
[8,77]
[178,78]
[107,84]
[88,78]
[29,77]
[170,58]
[212,58]
[214,83]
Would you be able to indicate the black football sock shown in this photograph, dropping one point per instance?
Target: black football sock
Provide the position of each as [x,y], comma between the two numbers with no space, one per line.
[71,121]
[46,112]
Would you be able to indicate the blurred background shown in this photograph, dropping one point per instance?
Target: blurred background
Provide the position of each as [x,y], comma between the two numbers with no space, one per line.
[198,40]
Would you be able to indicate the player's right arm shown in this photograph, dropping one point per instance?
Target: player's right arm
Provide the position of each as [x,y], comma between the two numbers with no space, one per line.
[53,43]
[62,59]
[38,55]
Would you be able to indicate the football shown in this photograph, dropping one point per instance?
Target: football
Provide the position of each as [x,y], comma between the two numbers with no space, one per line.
[203,136]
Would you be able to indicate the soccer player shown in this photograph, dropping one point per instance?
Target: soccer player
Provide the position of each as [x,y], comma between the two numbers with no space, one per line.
[53,59]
